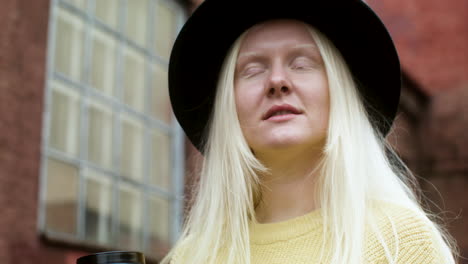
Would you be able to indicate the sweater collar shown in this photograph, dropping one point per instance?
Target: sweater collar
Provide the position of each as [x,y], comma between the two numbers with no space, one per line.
[285,230]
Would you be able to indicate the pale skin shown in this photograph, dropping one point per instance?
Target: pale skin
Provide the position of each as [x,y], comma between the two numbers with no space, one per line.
[282,102]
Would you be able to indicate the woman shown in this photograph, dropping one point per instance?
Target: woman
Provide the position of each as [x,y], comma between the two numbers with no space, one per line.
[290,104]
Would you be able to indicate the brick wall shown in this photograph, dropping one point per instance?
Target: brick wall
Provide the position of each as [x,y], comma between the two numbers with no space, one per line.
[23,45]
[445,144]
[432,39]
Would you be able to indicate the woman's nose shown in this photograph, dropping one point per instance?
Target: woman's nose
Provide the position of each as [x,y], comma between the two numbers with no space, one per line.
[279,82]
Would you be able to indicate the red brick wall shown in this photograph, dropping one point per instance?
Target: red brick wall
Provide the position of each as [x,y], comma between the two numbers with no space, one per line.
[445,144]
[23,42]
[432,39]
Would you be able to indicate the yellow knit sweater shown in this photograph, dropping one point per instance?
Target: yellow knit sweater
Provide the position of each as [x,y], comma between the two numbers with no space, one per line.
[299,240]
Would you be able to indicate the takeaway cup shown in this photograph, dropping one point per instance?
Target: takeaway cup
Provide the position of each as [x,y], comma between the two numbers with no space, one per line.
[113,257]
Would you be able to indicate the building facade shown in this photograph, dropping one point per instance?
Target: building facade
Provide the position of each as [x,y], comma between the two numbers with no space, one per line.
[91,156]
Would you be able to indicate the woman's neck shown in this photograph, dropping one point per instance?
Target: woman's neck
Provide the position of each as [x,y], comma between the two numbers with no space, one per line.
[288,187]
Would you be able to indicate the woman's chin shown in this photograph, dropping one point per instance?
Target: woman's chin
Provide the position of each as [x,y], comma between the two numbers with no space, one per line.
[283,143]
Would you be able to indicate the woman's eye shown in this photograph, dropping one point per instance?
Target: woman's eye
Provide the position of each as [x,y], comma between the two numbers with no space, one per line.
[302,64]
[252,70]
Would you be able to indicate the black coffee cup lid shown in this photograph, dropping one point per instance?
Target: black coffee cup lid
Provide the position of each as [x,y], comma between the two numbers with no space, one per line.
[110,257]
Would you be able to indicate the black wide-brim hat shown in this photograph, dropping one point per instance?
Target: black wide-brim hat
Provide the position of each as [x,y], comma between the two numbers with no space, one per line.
[204,40]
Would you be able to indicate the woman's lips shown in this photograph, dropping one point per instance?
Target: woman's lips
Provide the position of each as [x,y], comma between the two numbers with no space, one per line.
[281,112]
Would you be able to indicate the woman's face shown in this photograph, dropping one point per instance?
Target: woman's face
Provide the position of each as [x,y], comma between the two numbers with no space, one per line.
[281,88]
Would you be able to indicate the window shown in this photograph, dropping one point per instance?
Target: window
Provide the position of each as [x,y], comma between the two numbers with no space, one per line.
[112,154]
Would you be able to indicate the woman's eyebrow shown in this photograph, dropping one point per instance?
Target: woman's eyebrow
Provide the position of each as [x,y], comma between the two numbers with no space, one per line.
[306,47]
[248,54]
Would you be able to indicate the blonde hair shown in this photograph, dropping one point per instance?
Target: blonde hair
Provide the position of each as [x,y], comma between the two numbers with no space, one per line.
[352,176]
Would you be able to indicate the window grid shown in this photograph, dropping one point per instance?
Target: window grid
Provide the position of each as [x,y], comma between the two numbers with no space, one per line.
[119,109]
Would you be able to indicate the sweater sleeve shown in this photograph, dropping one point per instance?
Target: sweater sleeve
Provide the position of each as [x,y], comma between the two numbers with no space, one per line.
[419,253]
[415,241]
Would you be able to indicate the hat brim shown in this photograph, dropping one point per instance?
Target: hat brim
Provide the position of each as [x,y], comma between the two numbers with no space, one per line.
[203,42]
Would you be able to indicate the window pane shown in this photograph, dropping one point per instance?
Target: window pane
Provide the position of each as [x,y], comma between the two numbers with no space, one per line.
[161,106]
[137,16]
[106,11]
[98,208]
[161,160]
[132,148]
[64,123]
[159,226]
[130,217]
[165,29]
[78,3]
[100,135]
[69,37]
[134,80]
[61,196]
[103,62]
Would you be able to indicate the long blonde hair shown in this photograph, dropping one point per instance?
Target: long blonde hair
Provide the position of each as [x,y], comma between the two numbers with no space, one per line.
[352,176]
